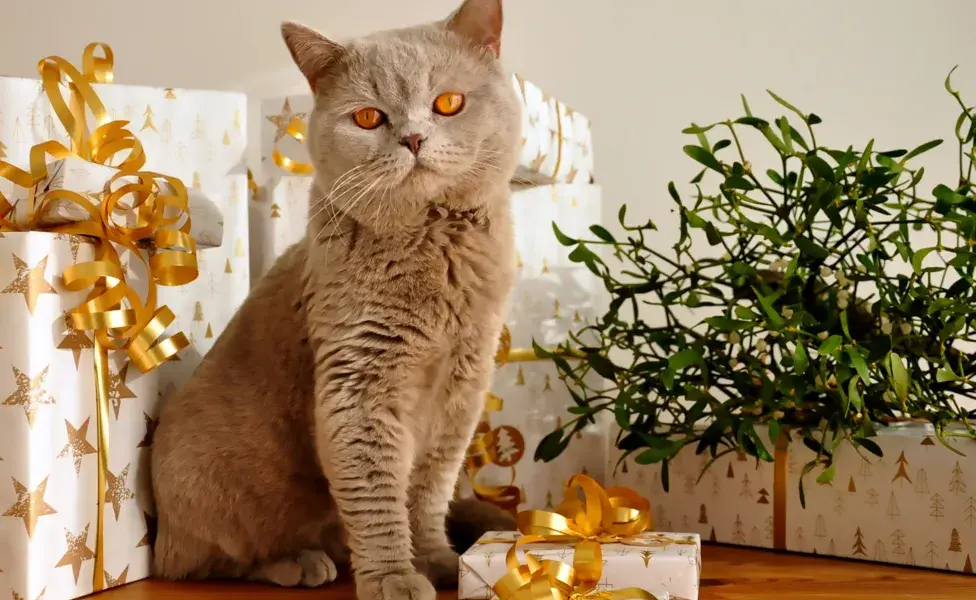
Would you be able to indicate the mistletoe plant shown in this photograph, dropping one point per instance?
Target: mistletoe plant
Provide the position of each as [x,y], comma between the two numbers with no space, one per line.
[834,295]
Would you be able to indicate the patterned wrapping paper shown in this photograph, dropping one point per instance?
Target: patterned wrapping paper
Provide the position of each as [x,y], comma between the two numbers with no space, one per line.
[556,146]
[278,221]
[197,136]
[668,566]
[553,296]
[915,506]
[48,432]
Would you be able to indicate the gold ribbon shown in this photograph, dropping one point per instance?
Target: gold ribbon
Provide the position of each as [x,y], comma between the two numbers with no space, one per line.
[296,130]
[140,328]
[603,516]
[507,496]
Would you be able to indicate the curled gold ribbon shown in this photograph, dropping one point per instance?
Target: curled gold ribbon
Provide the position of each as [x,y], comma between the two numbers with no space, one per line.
[505,496]
[118,318]
[614,515]
[297,131]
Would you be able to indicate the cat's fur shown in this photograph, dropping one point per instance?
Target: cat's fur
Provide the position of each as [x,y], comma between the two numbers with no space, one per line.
[330,420]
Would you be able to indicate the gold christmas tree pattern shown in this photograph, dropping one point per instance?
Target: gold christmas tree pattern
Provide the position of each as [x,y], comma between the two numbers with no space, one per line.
[29,281]
[30,505]
[77,552]
[282,119]
[116,492]
[30,393]
[78,446]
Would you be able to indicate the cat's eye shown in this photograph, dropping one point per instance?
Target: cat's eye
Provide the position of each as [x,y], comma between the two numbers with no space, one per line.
[368,118]
[449,104]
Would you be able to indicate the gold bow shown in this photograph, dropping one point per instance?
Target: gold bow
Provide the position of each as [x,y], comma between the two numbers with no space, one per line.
[614,515]
[479,455]
[140,328]
[297,131]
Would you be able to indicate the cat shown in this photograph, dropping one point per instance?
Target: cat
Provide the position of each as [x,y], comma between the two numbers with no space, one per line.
[329,422]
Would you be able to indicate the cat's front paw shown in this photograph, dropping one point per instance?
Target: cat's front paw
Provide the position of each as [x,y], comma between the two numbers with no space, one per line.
[396,586]
[440,566]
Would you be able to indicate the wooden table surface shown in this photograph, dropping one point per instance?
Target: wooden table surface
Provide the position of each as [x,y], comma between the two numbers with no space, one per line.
[728,574]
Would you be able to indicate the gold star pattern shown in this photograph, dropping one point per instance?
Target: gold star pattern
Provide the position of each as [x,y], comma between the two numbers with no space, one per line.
[77,552]
[74,242]
[150,538]
[30,505]
[540,158]
[573,172]
[116,493]
[17,596]
[118,390]
[30,282]
[75,339]
[30,393]
[111,582]
[282,120]
[77,446]
[151,425]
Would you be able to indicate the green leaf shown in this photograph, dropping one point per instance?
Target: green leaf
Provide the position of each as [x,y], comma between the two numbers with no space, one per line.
[767,306]
[582,254]
[602,365]
[869,445]
[552,446]
[828,474]
[745,105]
[791,267]
[800,360]
[602,233]
[843,323]
[683,359]
[820,168]
[654,455]
[739,183]
[711,233]
[830,345]
[920,150]
[853,395]
[564,239]
[899,376]
[704,157]
[753,122]
[945,374]
[919,257]
[744,312]
[665,476]
[774,430]
[786,104]
[811,248]
[696,129]
[948,81]
[813,119]
[724,324]
[858,361]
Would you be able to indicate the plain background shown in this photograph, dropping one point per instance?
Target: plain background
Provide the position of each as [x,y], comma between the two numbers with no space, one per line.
[640,69]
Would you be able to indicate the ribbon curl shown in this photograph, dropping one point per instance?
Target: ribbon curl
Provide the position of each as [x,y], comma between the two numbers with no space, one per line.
[296,130]
[112,311]
[616,515]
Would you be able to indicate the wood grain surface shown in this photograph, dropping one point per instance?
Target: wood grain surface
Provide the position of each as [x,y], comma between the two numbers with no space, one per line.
[728,574]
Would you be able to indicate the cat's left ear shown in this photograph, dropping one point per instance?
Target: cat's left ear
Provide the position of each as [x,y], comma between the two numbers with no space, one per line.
[312,51]
[480,21]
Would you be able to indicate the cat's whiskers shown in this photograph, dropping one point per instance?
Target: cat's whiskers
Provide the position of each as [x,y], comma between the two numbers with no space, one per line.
[349,185]
[349,206]
[340,179]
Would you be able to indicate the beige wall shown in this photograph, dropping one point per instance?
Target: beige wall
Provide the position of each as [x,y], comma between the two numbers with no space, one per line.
[641,69]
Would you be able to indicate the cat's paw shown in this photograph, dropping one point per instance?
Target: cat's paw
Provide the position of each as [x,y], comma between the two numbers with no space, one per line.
[399,586]
[440,566]
[310,568]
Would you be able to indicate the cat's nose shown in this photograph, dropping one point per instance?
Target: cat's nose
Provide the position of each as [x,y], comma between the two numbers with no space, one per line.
[413,141]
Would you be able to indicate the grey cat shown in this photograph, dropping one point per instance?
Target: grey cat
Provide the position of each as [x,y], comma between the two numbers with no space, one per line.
[330,420]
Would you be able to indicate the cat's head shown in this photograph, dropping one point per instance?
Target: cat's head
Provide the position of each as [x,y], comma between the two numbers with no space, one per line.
[410,117]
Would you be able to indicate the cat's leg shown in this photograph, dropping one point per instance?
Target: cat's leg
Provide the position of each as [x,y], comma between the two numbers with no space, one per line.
[309,568]
[435,475]
[367,454]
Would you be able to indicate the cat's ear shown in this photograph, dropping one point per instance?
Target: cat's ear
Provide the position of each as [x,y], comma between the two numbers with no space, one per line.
[312,51]
[480,21]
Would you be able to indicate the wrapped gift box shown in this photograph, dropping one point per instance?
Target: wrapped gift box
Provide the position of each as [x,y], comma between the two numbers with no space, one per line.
[915,506]
[197,136]
[557,142]
[667,565]
[278,221]
[553,297]
[48,432]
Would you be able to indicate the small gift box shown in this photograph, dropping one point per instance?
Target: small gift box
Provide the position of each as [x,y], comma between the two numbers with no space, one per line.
[598,547]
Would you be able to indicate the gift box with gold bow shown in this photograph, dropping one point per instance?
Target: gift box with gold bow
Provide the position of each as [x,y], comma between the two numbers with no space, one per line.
[553,297]
[92,245]
[598,547]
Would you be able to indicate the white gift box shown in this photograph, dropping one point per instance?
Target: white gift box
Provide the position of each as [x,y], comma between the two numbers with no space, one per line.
[667,565]
[48,432]
[915,506]
[553,297]
[278,221]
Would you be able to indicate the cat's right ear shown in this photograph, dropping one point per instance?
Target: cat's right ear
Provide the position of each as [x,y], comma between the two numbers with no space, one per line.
[312,51]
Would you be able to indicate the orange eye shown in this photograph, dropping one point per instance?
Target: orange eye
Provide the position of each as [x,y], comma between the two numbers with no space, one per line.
[449,104]
[369,118]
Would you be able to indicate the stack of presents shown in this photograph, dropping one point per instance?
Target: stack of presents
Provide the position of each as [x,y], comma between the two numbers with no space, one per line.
[131,231]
